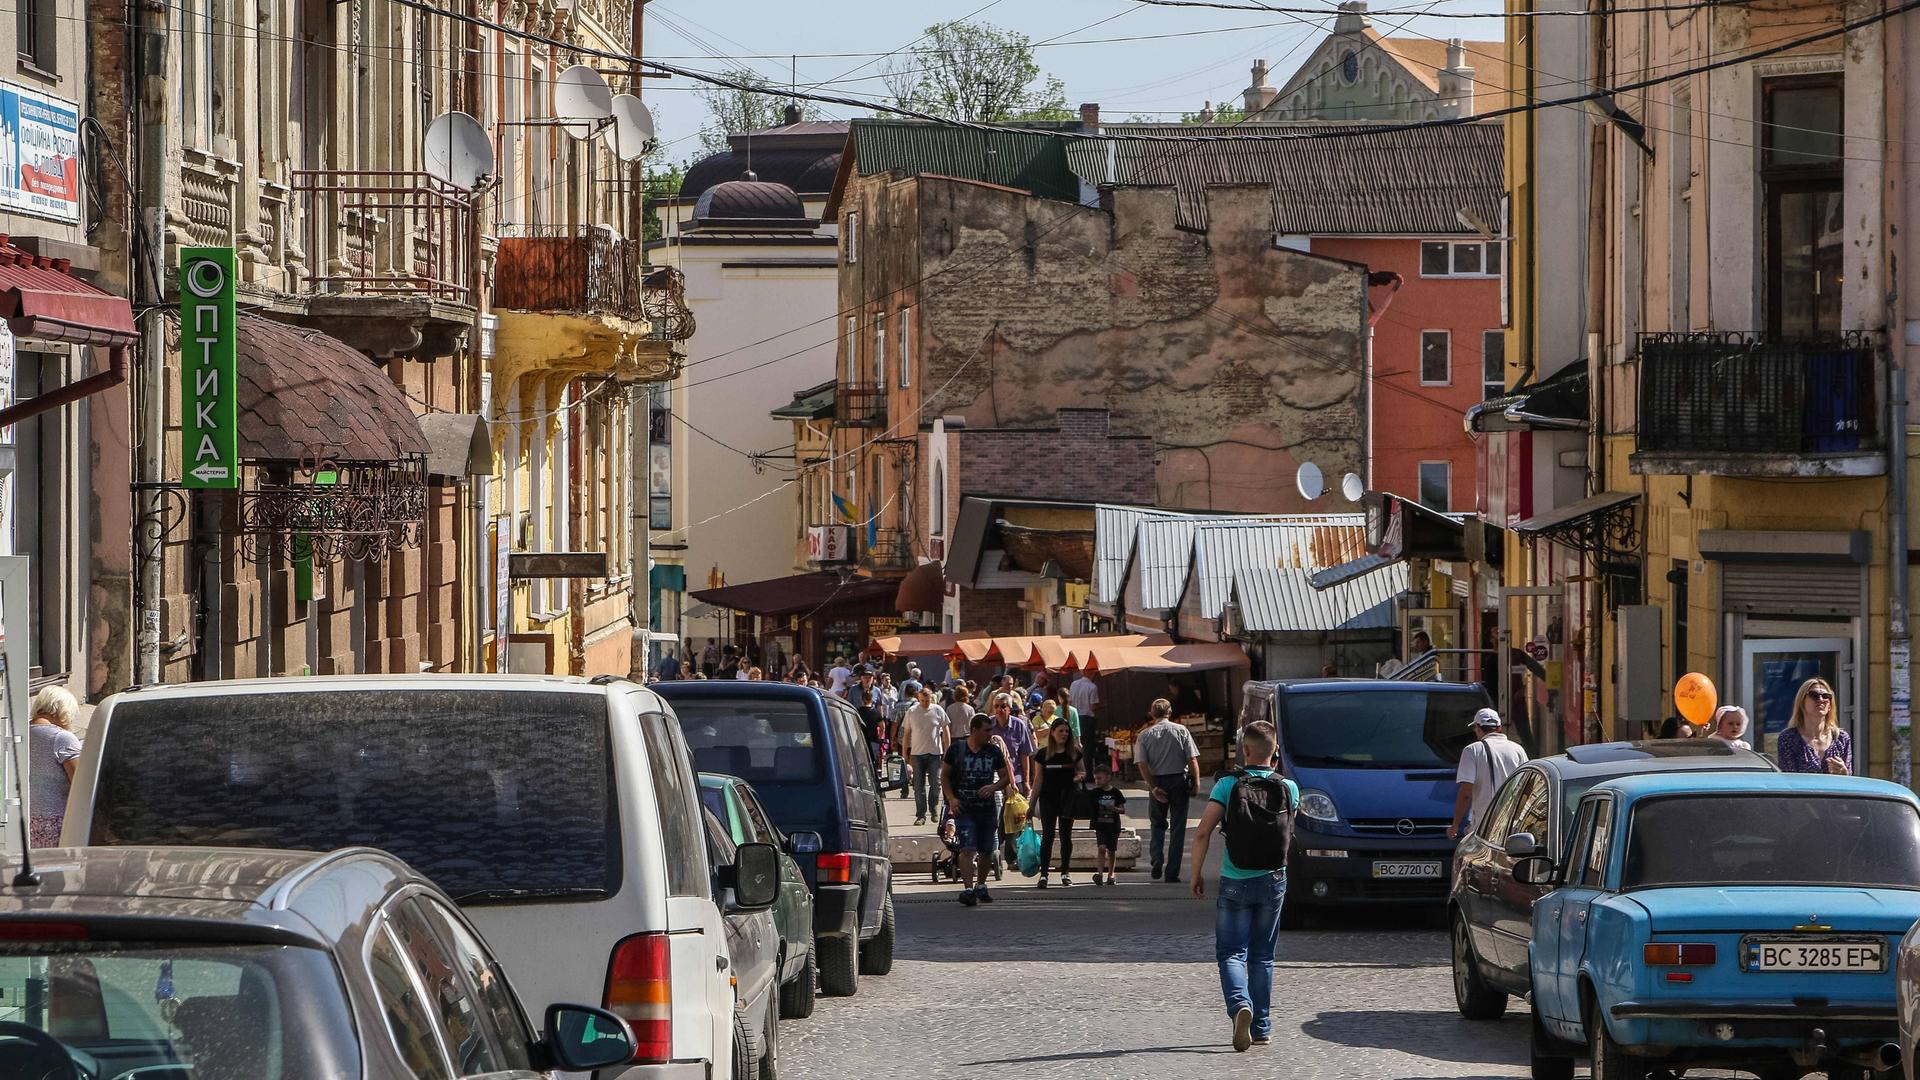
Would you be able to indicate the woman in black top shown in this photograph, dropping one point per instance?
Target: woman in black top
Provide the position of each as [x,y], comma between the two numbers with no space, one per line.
[1056,769]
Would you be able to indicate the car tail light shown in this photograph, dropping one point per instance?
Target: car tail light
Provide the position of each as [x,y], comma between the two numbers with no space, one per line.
[640,991]
[1673,954]
[834,869]
[42,931]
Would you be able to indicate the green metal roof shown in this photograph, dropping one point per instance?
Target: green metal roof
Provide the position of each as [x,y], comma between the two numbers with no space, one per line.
[1016,159]
[813,403]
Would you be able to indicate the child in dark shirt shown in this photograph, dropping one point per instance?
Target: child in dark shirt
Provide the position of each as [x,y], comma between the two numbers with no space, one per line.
[1111,804]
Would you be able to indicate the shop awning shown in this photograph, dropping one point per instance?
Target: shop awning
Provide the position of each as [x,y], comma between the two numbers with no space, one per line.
[41,299]
[1055,654]
[1012,650]
[1597,523]
[457,445]
[1349,570]
[923,589]
[921,644]
[305,396]
[1167,659]
[796,594]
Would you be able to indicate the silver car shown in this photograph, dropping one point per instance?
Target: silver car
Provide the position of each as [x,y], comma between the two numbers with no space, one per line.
[144,963]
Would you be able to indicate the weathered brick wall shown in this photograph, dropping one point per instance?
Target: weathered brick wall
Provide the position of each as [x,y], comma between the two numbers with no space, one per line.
[1075,459]
[1237,359]
[996,611]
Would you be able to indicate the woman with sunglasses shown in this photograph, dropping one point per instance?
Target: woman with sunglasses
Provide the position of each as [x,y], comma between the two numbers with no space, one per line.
[1057,770]
[1813,741]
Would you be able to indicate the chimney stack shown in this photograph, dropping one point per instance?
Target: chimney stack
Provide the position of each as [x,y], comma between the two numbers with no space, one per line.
[1090,115]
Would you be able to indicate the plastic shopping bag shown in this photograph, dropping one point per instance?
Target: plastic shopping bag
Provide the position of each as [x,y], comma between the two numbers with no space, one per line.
[1028,850]
[1015,815]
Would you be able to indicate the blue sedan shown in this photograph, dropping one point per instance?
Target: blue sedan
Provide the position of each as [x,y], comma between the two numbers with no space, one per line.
[1729,920]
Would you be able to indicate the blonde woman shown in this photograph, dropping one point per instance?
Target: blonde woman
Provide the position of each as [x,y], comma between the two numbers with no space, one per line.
[55,748]
[1729,725]
[1813,741]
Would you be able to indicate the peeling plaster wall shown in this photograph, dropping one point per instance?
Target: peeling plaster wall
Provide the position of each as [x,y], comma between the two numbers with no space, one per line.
[1239,359]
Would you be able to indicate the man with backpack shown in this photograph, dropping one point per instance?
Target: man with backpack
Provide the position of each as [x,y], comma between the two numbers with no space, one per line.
[1256,807]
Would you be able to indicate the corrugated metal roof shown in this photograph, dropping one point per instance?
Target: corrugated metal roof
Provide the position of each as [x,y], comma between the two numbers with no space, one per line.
[1272,600]
[1018,159]
[1306,542]
[1398,183]
[1113,532]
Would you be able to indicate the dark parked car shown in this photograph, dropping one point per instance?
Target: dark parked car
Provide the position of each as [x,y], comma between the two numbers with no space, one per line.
[803,752]
[733,801]
[1489,911]
[753,956]
[225,964]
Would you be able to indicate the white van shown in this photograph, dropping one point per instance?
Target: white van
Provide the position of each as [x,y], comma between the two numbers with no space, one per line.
[562,814]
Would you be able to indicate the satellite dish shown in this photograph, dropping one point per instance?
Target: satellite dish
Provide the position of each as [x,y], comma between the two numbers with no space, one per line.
[1353,487]
[1311,484]
[581,94]
[458,150]
[632,128]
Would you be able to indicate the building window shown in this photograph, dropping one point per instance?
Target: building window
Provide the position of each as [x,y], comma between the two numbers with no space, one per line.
[1493,364]
[1478,258]
[660,457]
[1436,357]
[850,238]
[906,348]
[1435,484]
[937,513]
[880,350]
[35,28]
[1801,154]
[853,349]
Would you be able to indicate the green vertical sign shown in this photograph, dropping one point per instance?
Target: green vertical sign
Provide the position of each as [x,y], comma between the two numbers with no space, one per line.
[209,400]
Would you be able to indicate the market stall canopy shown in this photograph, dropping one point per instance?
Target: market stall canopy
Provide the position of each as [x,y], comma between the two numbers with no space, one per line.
[41,299]
[1166,659]
[922,644]
[1012,650]
[1054,654]
[923,589]
[795,594]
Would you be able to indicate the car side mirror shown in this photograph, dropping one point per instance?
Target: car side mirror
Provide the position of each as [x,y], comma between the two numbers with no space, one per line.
[1521,845]
[755,877]
[804,843]
[1533,870]
[581,1038]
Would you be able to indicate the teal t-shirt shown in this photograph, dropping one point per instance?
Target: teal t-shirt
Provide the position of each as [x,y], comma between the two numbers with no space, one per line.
[1223,794]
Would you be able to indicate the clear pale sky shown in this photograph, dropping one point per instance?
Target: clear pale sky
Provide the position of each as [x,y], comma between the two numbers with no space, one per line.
[1163,74]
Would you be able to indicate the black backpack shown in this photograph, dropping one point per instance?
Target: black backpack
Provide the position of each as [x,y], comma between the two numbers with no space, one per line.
[1259,822]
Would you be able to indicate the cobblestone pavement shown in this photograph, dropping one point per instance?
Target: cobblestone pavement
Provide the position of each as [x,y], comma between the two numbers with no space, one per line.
[1120,983]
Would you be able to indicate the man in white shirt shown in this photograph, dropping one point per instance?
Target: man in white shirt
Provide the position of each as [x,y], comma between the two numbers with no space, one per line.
[1085,697]
[923,742]
[1484,766]
[839,673]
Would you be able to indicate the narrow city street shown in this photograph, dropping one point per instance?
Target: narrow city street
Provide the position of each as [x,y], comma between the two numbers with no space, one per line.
[1120,983]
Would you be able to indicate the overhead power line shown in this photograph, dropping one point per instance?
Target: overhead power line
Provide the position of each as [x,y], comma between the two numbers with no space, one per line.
[1600,95]
[1631,9]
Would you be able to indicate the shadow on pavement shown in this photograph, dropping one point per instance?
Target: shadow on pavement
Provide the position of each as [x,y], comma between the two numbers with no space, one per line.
[1090,1055]
[1441,1035]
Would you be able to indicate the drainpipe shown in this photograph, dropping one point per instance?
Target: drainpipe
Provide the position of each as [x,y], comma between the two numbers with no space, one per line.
[1903,92]
[149,541]
[639,541]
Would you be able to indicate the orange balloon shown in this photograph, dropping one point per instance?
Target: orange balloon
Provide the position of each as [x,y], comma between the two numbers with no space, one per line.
[1696,698]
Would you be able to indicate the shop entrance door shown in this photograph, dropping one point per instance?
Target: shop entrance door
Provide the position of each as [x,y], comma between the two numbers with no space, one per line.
[1771,671]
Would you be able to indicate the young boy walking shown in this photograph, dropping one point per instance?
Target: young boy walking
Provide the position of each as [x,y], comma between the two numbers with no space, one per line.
[1110,803]
[1257,808]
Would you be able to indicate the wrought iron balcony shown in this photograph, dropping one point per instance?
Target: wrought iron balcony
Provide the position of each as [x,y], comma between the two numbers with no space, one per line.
[860,404]
[383,232]
[586,270]
[1753,404]
[890,549]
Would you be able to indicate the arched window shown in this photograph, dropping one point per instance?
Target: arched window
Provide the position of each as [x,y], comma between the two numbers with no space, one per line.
[937,513]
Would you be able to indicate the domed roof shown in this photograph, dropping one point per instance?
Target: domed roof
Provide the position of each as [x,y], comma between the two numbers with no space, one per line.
[755,200]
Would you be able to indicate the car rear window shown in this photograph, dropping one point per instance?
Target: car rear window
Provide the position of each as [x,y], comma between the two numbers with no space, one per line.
[1773,840]
[497,795]
[773,744]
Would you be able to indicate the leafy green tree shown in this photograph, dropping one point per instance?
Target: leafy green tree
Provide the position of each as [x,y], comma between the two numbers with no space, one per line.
[1223,113]
[738,111]
[978,72]
[662,182]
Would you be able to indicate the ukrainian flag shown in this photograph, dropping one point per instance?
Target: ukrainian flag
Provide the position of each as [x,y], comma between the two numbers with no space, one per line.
[846,510]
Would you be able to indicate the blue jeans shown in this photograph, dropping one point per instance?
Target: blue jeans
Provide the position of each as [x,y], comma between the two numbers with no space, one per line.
[1246,920]
[926,784]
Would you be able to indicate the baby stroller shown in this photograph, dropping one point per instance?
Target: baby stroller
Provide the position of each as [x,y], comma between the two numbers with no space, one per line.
[947,866]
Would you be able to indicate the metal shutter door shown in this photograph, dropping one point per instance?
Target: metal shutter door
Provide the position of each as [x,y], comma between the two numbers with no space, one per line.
[1790,589]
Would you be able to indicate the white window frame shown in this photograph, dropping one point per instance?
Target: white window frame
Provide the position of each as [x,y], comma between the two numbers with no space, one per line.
[1490,261]
[906,348]
[880,349]
[853,349]
[1420,480]
[850,237]
[1420,359]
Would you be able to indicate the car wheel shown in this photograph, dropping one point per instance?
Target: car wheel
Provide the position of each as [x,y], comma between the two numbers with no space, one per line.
[876,958]
[1548,1057]
[746,1049]
[796,997]
[839,964]
[1610,1060]
[1471,994]
[770,1057]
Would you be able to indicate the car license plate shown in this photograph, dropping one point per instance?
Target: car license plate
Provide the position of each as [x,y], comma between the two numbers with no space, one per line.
[1815,954]
[1384,869]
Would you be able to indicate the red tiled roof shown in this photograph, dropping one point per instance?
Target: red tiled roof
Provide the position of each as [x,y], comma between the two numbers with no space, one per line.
[39,298]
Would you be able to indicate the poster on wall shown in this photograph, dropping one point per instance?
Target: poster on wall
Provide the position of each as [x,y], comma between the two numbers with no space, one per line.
[39,154]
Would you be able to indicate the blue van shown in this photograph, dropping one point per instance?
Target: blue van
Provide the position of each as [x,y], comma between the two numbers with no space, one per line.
[806,758]
[1375,760]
